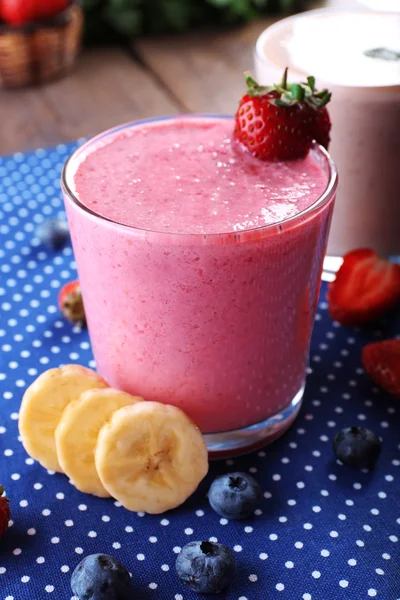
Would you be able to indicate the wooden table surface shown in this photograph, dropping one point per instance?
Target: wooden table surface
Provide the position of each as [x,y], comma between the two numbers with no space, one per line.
[196,72]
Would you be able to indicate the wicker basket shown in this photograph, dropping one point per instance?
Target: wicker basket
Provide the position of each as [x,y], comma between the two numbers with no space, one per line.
[38,52]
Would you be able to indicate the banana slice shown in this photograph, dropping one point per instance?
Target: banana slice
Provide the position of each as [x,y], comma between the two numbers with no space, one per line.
[77,433]
[43,404]
[151,457]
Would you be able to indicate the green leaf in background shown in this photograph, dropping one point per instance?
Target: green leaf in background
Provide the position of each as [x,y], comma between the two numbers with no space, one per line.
[119,5]
[127,21]
[220,3]
[106,20]
[243,9]
[91,4]
[177,14]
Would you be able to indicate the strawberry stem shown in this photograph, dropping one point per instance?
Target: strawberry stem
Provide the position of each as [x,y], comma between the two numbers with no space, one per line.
[284,79]
[288,94]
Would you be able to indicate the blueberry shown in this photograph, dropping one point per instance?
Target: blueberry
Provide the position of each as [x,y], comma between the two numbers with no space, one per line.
[53,233]
[207,568]
[357,447]
[101,577]
[235,495]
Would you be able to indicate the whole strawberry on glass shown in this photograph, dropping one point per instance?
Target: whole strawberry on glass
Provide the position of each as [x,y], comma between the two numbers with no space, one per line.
[280,122]
[4,513]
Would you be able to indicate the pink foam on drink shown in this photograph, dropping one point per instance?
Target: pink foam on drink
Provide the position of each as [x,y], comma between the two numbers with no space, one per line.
[218,325]
[189,177]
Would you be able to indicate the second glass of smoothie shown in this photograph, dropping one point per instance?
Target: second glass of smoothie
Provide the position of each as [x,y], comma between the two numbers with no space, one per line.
[200,269]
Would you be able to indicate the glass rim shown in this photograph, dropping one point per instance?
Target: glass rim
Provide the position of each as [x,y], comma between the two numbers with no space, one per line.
[260,55]
[324,198]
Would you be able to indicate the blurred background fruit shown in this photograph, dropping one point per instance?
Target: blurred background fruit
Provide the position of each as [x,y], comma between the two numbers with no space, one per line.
[19,12]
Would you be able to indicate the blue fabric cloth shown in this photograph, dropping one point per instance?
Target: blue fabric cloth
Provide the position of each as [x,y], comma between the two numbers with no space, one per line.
[323,532]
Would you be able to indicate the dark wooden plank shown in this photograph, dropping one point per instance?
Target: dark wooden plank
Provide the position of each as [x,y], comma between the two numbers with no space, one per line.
[203,69]
[108,87]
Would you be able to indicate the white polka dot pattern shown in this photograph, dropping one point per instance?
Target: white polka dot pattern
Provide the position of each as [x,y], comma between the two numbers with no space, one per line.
[323,531]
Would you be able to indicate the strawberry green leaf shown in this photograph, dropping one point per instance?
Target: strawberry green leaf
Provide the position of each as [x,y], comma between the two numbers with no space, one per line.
[311,82]
[298,92]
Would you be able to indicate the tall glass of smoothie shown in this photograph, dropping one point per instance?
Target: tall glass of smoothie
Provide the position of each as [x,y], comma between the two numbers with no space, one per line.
[357,55]
[200,269]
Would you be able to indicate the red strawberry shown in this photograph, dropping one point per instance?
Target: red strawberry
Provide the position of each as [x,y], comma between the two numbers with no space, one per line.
[18,12]
[381,360]
[70,302]
[322,127]
[281,122]
[4,513]
[366,286]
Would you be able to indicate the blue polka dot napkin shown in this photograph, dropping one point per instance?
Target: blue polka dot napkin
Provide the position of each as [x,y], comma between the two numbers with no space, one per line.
[323,532]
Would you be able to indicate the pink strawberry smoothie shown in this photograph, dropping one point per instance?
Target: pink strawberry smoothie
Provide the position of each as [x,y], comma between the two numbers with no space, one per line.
[199,266]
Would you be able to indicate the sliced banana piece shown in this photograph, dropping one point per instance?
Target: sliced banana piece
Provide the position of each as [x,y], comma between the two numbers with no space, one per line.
[43,404]
[77,433]
[151,457]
